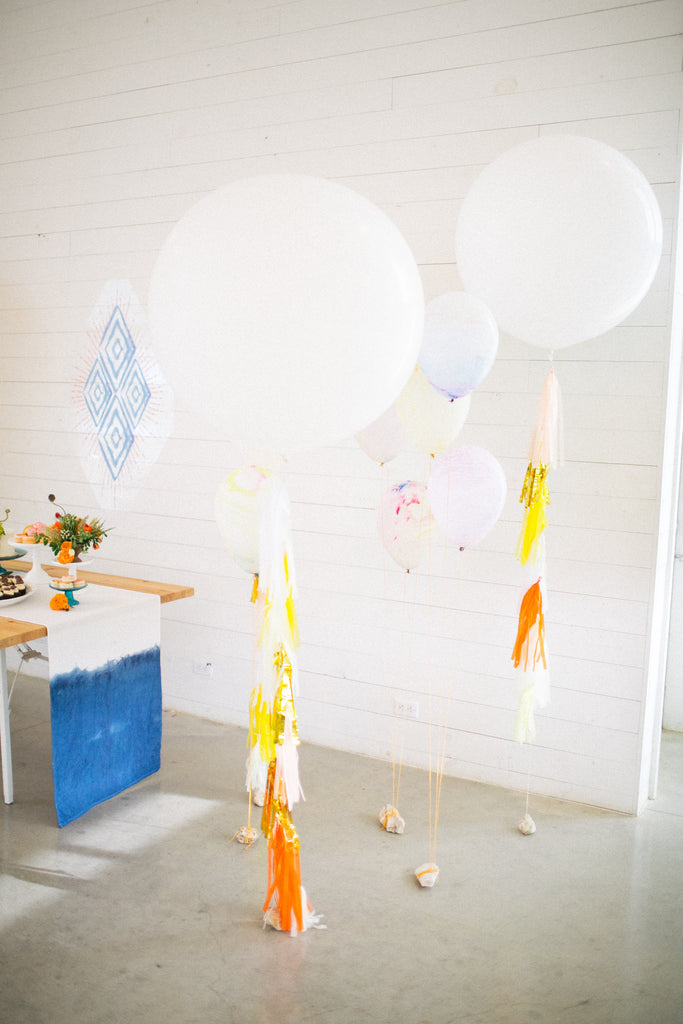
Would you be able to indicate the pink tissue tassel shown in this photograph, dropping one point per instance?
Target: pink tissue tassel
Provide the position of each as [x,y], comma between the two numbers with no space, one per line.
[544,449]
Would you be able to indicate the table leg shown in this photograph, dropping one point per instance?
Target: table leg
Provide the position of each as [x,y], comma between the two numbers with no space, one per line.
[5,742]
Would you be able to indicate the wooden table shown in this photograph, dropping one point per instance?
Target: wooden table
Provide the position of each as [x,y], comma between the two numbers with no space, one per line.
[17,631]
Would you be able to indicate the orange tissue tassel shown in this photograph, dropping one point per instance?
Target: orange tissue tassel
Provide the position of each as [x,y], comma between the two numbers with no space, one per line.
[284,874]
[530,642]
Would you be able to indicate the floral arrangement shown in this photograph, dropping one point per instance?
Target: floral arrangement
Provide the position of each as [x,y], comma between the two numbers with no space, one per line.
[71,535]
[2,528]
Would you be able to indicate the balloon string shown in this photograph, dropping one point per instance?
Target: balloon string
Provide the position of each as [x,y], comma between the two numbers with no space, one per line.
[390,678]
[403,661]
[431,607]
[434,768]
[385,589]
[443,708]
[528,777]
[444,712]
[442,735]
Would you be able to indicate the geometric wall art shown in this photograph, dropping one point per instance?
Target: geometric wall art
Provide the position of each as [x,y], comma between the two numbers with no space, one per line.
[124,406]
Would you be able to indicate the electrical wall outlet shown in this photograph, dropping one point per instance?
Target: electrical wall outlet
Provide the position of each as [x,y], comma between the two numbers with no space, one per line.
[202,667]
[406,708]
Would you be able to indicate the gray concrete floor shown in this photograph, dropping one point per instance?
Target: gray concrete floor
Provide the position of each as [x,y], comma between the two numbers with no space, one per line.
[143,911]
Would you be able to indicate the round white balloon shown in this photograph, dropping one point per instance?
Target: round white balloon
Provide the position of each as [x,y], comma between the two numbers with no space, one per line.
[385,438]
[238,508]
[467,491]
[288,310]
[431,421]
[405,520]
[561,237]
[460,343]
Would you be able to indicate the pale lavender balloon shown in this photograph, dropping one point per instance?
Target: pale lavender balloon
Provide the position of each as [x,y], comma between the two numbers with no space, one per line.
[467,491]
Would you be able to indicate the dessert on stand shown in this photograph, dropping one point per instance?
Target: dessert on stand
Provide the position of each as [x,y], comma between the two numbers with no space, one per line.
[68,585]
[36,576]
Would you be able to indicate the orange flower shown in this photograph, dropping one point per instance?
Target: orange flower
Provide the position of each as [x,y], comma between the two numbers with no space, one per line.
[66,553]
[88,527]
[59,603]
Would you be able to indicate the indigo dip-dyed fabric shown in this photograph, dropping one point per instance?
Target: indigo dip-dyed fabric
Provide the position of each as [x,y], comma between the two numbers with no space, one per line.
[106,730]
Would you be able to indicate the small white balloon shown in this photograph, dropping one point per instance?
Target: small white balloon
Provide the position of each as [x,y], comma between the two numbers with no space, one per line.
[467,492]
[384,439]
[404,520]
[561,237]
[459,345]
[288,310]
[238,507]
[431,421]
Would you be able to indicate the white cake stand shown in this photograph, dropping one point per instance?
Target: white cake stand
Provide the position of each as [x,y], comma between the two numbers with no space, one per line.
[36,577]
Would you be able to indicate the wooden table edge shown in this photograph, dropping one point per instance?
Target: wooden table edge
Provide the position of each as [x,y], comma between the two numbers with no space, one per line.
[165,591]
[16,631]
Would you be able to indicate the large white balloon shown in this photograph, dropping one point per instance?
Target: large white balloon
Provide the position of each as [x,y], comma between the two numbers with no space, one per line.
[460,343]
[288,310]
[561,237]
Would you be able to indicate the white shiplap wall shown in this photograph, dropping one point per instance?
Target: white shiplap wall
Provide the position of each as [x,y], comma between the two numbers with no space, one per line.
[116,117]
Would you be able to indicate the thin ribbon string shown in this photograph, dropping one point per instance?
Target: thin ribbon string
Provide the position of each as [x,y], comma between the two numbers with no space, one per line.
[388,673]
[436,775]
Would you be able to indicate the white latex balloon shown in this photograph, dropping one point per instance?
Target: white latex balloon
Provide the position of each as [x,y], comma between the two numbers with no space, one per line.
[404,520]
[459,345]
[561,237]
[467,491]
[431,421]
[288,310]
[385,438]
[238,507]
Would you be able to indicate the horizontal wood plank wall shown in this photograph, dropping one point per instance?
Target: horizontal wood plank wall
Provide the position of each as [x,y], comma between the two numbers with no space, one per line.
[116,117]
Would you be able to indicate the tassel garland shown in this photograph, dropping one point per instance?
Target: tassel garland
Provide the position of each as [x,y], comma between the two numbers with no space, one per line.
[525,725]
[535,496]
[283,903]
[273,734]
[530,640]
[529,656]
[544,449]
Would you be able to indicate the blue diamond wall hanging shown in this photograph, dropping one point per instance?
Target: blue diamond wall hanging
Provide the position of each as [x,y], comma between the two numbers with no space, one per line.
[124,405]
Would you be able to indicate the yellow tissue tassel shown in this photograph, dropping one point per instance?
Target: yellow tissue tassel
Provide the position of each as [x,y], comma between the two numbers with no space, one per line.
[261,726]
[535,496]
[292,620]
[293,639]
